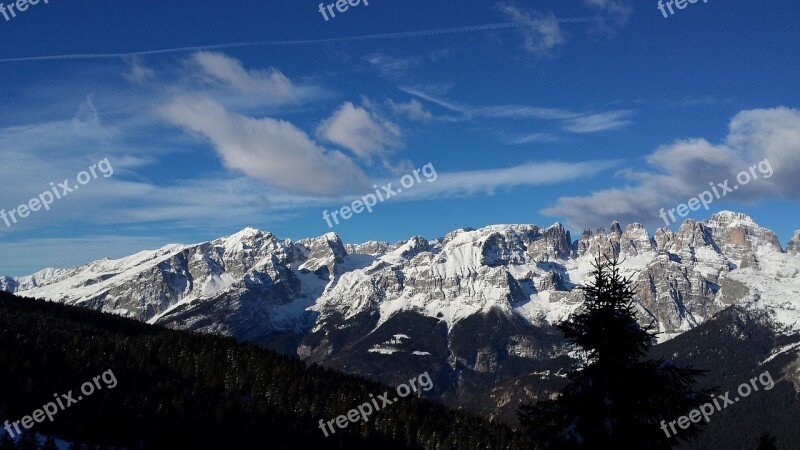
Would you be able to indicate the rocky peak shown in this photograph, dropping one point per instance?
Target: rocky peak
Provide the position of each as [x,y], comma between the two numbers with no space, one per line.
[691,235]
[249,239]
[663,238]
[555,242]
[732,218]
[413,247]
[324,251]
[615,228]
[739,232]
[636,240]
[793,246]
[502,247]
[372,248]
[601,242]
[551,281]
[582,244]
[8,284]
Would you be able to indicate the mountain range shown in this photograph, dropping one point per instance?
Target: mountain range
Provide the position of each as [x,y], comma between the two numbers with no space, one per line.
[475,309]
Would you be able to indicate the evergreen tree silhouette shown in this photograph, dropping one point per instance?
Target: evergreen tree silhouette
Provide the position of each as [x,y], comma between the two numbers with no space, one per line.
[616,398]
[50,444]
[7,443]
[28,441]
[767,442]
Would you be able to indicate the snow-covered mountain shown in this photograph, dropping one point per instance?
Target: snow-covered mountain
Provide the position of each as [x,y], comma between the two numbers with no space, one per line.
[476,307]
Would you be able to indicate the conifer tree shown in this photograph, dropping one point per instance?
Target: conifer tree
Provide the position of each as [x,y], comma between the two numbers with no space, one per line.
[50,444]
[616,398]
[28,441]
[7,443]
[767,442]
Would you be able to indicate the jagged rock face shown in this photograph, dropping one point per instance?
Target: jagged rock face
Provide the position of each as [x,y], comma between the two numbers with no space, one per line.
[9,284]
[244,285]
[739,237]
[675,296]
[553,243]
[636,240]
[326,252]
[552,281]
[371,248]
[793,247]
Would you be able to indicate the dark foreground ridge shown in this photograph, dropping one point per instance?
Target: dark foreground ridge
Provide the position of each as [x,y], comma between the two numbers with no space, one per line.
[178,390]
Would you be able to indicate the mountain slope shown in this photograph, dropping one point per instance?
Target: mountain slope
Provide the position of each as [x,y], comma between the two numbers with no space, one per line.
[176,390]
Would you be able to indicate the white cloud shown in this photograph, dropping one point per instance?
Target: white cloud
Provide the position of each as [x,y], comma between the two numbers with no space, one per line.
[270,87]
[523,112]
[421,93]
[412,109]
[542,32]
[532,138]
[391,66]
[593,123]
[138,73]
[365,133]
[685,168]
[618,11]
[272,150]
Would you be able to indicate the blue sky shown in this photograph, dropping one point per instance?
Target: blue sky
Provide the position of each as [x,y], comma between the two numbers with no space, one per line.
[529,112]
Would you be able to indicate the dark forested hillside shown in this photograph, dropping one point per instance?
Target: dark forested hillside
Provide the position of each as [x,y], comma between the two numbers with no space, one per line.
[178,390]
[733,348]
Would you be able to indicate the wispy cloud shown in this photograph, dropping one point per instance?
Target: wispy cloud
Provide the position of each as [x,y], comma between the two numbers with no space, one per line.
[542,32]
[522,112]
[391,66]
[691,101]
[138,73]
[411,109]
[488,181]
[532,138]
[614,12]
[594,123]
[571,121]
[221,68]
[227,77]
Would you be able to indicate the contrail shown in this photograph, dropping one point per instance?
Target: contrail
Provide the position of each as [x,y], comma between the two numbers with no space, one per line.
[400,35]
